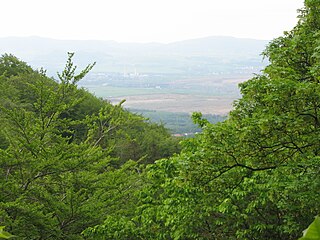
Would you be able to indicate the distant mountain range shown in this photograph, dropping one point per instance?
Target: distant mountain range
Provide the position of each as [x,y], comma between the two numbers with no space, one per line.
[196,56]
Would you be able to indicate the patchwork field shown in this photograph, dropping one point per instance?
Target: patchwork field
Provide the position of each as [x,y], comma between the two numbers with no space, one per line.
[206,95]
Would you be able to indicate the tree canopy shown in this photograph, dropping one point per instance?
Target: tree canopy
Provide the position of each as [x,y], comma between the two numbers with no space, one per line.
[68,159]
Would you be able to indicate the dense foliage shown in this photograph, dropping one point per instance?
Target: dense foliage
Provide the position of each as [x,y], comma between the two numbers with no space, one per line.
[72,165]
[67,158]
[254,176]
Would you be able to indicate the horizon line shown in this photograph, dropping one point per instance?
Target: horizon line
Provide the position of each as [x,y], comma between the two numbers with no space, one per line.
[134,42]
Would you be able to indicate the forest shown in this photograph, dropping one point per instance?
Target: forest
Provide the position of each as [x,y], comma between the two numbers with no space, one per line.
[74,166]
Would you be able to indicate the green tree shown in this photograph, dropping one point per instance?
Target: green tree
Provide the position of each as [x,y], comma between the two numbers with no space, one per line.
[254,176]
[61,170]
[12,66]
[44,177]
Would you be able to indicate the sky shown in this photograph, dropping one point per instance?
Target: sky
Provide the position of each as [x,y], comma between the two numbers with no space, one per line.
[147,20]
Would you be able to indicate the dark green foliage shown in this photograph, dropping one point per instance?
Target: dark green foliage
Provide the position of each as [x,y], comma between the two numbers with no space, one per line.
[11,66]
[177,123]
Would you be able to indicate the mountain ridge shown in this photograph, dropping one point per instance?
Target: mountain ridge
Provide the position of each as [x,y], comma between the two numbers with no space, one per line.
[114,56]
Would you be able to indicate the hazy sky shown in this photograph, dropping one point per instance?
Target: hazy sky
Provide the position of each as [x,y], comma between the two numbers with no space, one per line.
[147,20]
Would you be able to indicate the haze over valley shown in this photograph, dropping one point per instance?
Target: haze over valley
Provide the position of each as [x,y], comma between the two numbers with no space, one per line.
[192,75]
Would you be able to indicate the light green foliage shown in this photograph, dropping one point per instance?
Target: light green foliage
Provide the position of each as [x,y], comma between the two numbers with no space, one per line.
[60,170]
[253,176]
[45,178]
[4,234]
[119,200]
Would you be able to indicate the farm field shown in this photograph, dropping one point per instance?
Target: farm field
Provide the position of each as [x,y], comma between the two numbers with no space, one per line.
[206,95]
[178,103]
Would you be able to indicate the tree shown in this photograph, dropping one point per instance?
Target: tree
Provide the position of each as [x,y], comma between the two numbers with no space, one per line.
[60,167]
[45,179]
[254,176]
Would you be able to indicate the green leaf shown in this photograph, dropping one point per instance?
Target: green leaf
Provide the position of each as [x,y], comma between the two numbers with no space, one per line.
[313,231]
[4,234]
